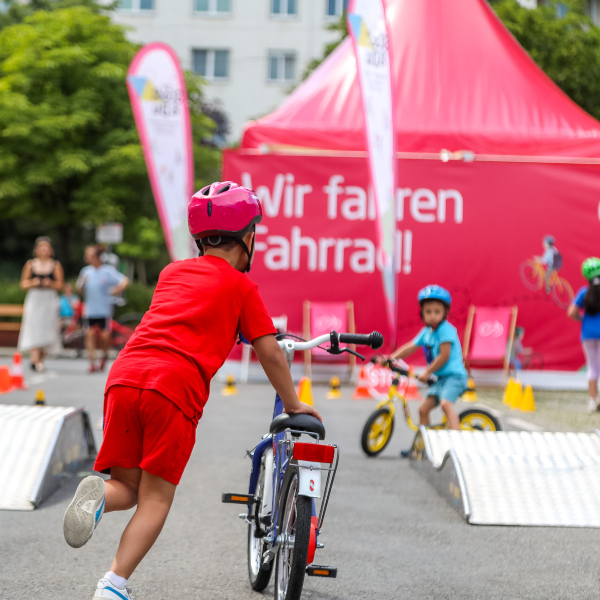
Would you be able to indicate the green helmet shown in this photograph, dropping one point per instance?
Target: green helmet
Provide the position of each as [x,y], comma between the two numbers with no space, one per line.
[590,268]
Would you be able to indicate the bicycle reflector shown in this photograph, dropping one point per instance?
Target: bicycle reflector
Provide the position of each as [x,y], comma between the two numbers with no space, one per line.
[314,452]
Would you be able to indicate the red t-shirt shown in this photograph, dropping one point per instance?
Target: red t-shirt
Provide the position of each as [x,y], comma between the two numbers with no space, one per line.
[197,310]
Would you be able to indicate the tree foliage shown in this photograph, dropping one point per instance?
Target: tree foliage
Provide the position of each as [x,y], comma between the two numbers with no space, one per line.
[566,47]
[69,150]
[341,29]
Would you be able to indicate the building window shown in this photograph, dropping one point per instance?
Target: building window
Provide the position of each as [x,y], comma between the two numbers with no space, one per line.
[284,8]
[211,64]
[136,5]
[335,8]
[212,7]
[282,67]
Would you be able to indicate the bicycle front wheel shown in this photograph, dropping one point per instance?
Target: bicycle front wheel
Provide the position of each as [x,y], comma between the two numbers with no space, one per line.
[377,431]
[532,275]
[479,420]
[293,550]
[259,573]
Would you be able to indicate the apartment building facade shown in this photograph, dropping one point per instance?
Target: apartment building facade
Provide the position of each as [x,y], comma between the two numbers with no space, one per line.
[250,52]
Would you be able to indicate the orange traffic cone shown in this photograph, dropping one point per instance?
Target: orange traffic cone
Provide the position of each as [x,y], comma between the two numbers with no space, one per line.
[18,382]
[5,380]
[361,391]
[305,391]
[412,391]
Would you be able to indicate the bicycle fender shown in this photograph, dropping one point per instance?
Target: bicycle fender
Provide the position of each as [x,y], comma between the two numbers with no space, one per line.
[389,404]
[309,484]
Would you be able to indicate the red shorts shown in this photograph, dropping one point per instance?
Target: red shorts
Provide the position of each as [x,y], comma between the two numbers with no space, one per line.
[143,428]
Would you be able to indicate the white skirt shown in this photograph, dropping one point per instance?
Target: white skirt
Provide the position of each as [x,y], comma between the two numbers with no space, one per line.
[40,327]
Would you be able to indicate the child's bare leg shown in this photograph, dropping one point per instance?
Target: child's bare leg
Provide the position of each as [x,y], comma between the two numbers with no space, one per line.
[451,414]
[155,496]
[122,489]
[425,408]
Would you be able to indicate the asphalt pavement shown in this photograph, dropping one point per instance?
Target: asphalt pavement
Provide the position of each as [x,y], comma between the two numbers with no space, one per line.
[387,530]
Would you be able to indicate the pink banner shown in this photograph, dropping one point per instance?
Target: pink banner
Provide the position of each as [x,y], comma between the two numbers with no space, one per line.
[368,28]
[160,107]
[474,228]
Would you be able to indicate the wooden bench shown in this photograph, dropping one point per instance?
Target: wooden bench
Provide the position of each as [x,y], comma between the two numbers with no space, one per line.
[10,310]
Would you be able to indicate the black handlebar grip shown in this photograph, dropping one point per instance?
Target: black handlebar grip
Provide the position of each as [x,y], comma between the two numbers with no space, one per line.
[374,339]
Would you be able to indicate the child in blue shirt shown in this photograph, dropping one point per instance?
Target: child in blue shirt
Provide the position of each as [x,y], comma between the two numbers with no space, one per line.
[586,308]
[443,352]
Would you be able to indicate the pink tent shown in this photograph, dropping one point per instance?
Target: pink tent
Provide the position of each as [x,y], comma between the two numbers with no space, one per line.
[529,168]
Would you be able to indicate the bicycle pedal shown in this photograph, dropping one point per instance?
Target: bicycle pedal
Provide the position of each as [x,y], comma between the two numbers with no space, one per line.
[321,571]
[238,499]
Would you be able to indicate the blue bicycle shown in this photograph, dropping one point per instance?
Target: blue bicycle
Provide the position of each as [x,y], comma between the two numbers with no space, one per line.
[285,481]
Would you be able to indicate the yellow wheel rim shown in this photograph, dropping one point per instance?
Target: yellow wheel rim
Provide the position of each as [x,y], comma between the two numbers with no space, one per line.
[380,432]
[477,422]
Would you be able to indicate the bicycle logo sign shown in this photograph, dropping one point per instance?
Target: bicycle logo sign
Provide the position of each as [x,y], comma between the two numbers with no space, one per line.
[491,328]
[328,322]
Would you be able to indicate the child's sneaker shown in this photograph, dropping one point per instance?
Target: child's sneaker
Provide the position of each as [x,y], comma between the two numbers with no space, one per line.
[405,453]
[592,406]
[106,589]
[84,512]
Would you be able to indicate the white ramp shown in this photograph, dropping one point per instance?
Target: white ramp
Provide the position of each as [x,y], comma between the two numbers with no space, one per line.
[514,477]
[41,448]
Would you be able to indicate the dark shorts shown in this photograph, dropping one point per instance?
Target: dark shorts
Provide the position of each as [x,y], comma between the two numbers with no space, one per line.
[102,323]
[143,428]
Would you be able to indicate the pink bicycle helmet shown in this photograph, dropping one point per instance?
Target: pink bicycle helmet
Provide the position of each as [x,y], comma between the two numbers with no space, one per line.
[223,209]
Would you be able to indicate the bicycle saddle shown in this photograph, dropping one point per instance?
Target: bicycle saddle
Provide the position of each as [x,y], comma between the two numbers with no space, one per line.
[298,422]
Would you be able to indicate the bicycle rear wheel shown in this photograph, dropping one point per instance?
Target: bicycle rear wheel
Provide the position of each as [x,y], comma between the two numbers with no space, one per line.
[479,420]
[259,573]
[293,551]
[377,431]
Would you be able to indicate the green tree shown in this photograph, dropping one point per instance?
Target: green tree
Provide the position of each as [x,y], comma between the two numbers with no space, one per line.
[342,30]
[566,47]
[69,150]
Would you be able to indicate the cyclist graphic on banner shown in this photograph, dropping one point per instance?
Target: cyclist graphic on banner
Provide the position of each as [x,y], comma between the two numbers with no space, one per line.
[542,272]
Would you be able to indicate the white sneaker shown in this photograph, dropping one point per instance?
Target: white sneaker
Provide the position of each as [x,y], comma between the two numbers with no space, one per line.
[84,512]
[592,406]
[106,589]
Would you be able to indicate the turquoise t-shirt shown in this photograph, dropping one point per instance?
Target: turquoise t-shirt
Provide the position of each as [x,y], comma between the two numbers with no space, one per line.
[430,340]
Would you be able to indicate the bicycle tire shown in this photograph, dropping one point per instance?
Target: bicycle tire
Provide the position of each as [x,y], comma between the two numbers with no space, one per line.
[298,510]
[562,300]
[367,429]
[473,413]
[260,575]
[533,282]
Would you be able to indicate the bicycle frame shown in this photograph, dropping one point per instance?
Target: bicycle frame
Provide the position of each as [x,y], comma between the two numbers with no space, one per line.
[278,462]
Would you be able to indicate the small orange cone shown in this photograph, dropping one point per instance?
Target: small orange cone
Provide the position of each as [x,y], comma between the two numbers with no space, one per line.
[508,391]
[5,380]
[361,391]
[18,381]
[305,391]
[412,390]
[516,400]
[40,398]
[528,404]
[230,388]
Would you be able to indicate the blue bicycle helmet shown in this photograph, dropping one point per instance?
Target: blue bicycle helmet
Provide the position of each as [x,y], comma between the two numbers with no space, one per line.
[435,292]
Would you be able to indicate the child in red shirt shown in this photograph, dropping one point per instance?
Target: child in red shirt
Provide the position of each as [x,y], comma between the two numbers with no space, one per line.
[159,384]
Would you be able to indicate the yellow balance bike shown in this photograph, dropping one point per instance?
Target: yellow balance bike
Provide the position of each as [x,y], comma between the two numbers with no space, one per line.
[379,427]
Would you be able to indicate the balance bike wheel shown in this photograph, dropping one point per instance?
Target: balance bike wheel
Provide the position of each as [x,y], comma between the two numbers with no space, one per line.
[259,573]
[478,419]
[293,551]
[377,431]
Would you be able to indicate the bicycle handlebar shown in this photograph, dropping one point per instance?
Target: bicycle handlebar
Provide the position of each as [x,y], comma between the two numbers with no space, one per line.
[406,373]
[374,340]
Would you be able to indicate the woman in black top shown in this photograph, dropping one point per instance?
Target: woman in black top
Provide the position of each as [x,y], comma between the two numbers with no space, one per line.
[40,330]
